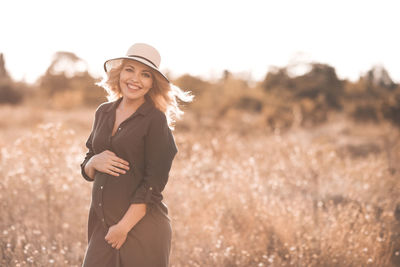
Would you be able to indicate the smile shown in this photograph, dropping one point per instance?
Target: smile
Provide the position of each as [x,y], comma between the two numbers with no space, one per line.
[133,87]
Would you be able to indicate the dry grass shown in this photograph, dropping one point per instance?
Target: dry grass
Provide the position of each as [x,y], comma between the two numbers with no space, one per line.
[237,196]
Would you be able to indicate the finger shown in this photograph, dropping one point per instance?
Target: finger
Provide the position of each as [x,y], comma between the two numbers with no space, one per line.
[117,170]
[107,237]
[120,165]
[115,162]
[113,173]
[117,159]
[120,160]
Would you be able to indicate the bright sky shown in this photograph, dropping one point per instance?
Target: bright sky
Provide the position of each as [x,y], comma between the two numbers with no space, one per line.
[205,37]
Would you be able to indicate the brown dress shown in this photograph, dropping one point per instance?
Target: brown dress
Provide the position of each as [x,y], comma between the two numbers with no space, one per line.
[146,142]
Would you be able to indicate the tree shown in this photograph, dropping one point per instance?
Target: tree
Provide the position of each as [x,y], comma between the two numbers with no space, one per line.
[3,72]
[378,77]
[9,93]
[68,77]
[57,78]
[320,81]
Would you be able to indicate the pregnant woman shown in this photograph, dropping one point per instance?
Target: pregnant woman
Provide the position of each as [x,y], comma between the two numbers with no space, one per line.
[130,152]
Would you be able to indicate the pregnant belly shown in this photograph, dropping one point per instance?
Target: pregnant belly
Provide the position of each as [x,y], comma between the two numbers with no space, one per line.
[113,194]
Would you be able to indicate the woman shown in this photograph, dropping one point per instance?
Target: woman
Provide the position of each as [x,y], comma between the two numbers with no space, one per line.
[131,149]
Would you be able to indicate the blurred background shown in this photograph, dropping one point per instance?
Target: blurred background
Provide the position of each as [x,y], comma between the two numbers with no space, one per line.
[289,154]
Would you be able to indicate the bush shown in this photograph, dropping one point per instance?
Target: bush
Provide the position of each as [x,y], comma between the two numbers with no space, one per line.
[363,113]
[391,109]
[249,104]
[194,84]
[9,94]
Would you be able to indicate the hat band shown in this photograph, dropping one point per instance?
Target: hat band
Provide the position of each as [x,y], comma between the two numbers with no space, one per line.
[144,59]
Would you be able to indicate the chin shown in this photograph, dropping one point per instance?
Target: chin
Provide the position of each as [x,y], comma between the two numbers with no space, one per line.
[133,97]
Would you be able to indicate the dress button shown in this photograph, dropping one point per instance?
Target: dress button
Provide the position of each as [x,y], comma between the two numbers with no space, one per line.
[102,220]
[119,129]
[101,187]
[151,188]
[100,204]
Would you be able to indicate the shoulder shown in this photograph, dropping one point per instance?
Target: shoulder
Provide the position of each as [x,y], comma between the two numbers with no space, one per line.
[104,106]
[157,114]
[157,117]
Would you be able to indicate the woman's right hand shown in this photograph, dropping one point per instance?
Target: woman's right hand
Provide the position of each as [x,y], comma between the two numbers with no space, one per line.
[109,163]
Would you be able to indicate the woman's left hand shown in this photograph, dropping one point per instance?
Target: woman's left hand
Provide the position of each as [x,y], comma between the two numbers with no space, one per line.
[116,236]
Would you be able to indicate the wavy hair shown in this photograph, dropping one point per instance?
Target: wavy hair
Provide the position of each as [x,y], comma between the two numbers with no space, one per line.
[163,94]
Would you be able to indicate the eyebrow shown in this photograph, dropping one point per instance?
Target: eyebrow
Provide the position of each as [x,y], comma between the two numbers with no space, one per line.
[129,65]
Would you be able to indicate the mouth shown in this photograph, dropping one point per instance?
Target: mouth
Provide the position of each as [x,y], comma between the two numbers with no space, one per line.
[133,87]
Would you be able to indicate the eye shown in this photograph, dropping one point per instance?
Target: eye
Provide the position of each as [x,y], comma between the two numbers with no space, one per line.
[146,75]
[129,69]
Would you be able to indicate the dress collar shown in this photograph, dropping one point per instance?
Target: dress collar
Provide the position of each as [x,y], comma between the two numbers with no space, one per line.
[143,109]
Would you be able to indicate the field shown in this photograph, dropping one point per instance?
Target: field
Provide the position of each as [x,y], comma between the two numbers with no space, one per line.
[238,195]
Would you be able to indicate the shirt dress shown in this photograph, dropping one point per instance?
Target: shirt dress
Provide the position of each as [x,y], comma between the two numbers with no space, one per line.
[146,142]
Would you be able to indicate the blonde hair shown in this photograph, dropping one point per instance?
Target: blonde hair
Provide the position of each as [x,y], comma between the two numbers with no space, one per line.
[163,94]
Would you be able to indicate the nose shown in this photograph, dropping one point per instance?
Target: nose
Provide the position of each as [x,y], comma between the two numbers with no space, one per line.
[133,76]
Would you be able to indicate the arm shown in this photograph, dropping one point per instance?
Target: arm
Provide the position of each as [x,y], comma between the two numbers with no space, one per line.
[159,152]
[87,170]
[132,216]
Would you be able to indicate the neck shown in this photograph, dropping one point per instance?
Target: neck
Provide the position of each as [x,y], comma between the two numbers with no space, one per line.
[131,105]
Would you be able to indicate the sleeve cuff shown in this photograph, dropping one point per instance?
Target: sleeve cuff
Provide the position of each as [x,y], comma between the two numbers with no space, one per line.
[146,194]
[85,176]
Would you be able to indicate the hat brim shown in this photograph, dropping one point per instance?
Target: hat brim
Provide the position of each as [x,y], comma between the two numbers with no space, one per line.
[116,62]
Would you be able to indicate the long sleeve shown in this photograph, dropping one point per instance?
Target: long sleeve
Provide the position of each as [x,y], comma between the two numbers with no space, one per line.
[159,151]
[90,153]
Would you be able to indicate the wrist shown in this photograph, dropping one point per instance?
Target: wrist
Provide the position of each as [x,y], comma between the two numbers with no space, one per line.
[90,162]
[125,227]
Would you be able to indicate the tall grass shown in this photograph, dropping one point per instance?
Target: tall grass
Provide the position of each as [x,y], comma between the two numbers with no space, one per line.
[236,198]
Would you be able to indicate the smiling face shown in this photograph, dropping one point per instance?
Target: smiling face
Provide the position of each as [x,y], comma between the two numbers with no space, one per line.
[135,80]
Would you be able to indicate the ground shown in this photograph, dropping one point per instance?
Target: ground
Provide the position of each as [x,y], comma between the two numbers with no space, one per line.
[238,194]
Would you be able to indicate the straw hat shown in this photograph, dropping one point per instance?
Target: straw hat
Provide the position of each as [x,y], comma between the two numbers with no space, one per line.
[140,52]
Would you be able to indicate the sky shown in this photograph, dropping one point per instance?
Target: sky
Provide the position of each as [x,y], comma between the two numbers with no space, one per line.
[204,38]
